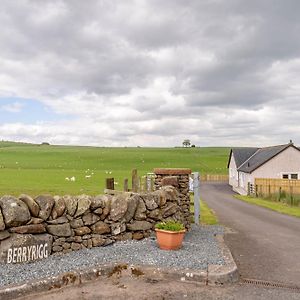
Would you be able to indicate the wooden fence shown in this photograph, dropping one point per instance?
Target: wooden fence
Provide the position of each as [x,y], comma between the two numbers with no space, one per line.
[138,183]
[214,177]
[265,187]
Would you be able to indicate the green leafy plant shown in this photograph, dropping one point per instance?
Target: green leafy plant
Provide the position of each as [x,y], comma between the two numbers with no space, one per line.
[170,225]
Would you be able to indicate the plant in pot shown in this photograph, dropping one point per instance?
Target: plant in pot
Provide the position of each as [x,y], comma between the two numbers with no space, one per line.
[169,235]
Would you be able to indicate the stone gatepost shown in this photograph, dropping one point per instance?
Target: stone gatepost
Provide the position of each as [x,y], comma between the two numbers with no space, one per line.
[178,178]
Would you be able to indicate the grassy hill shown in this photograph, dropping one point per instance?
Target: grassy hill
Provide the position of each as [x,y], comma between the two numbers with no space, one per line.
[35,169]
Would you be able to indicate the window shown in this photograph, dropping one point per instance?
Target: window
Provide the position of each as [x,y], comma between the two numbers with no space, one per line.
[294,176]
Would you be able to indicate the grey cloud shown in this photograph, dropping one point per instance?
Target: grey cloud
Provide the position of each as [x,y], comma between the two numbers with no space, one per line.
[214,59]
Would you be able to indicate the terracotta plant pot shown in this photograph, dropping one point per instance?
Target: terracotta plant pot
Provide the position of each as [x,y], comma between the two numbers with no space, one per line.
[169,240]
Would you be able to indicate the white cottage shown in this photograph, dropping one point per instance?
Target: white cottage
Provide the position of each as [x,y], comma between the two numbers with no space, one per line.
[246,164]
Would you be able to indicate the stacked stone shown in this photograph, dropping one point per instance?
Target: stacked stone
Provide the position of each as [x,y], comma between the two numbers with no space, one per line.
[178,178]
[76,222]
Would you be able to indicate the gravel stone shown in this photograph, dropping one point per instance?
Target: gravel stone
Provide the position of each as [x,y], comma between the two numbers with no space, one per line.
[199,249]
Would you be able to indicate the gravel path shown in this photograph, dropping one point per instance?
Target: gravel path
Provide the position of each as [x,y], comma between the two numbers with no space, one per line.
[199,249]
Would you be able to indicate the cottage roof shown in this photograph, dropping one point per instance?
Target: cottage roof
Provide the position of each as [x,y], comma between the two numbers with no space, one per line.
[261,156]
[241,155]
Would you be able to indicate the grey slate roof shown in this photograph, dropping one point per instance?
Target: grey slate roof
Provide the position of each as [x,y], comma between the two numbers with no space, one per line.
[249,159]
[242,154]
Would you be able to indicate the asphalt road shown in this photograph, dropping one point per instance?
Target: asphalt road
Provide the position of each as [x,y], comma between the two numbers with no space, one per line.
[265,244]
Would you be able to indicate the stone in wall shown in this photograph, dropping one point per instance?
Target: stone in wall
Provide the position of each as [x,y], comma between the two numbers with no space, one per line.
[60,229]
[101,201]
[140,213]
[4,235]
[100,227]
[60,220]
[170,180]
[119,207]
[32,205]
[33,228]
[34,220]
[83,204]
[59,207]
[155,214]
[117,228]
[46,203]
[71,204]
[82,230]
[132,203]
[98,240]
[151,201]
[2,224]
[139,225]
[90,219]
[15,212]
[76,223]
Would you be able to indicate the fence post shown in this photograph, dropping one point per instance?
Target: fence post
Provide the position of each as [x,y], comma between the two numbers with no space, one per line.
[196,186]
[291,195]
[135,181]
[126,185]
[110,183]
[279,193]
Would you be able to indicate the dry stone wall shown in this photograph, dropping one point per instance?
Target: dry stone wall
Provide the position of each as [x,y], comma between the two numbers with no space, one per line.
[32,229]
[178,178]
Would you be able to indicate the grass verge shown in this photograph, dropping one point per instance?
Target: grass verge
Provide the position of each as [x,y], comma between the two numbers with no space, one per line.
[276,206]
[207,215]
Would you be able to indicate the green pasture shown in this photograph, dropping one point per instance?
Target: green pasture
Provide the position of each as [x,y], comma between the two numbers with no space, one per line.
[36,169]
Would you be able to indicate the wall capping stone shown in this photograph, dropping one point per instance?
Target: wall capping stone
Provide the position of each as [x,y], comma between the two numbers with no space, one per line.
[172,171]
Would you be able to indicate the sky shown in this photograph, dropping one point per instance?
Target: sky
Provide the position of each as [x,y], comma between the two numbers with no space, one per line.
[150,72]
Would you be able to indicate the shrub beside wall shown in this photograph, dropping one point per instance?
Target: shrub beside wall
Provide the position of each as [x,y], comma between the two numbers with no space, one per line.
[61,224]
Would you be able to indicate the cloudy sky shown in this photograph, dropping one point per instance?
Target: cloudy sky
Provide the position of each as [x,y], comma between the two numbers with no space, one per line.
[150,72]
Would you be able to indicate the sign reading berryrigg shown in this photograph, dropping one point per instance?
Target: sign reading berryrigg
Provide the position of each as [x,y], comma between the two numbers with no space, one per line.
[27,253]
[25,248]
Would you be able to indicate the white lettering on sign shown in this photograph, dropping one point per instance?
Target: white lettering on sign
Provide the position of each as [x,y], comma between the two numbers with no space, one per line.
[27,253]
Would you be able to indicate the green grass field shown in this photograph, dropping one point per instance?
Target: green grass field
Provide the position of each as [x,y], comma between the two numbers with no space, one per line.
[36,169]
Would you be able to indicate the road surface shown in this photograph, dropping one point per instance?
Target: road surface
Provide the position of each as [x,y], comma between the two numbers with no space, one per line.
[264,243]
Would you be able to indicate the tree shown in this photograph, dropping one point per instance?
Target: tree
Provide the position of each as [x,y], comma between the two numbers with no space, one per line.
[186,143]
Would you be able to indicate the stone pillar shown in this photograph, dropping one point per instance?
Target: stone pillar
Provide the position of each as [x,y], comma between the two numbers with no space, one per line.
[180,179]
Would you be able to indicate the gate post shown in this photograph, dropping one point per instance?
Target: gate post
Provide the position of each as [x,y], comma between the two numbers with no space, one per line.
[196,185]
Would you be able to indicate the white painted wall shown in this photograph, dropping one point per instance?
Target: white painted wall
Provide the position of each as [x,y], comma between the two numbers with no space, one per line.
[233,174]
[287,161]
